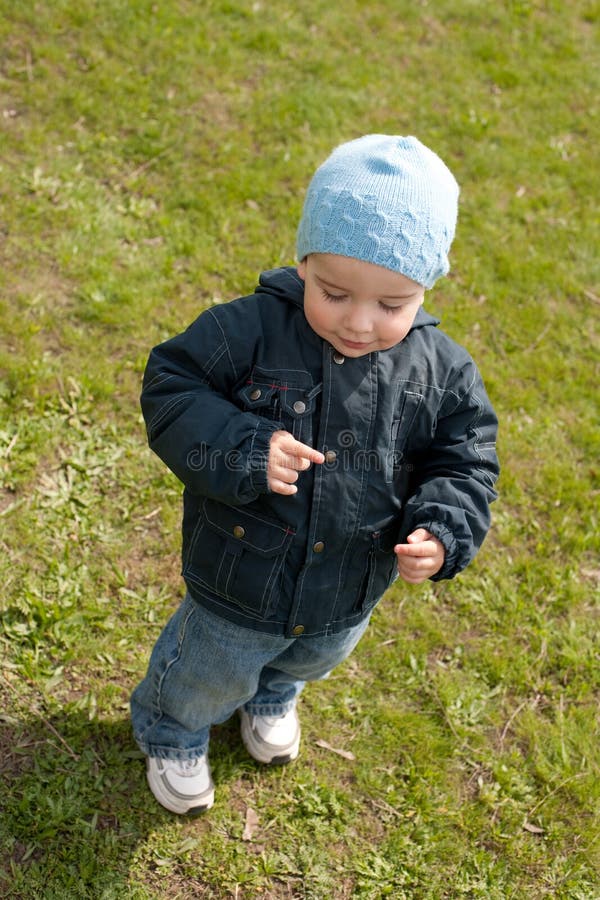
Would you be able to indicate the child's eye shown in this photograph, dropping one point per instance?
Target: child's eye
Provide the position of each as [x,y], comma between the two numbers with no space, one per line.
[333,298]
[389,309]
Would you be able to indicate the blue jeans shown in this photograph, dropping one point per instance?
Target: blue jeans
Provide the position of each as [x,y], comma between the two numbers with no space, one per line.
[203,668]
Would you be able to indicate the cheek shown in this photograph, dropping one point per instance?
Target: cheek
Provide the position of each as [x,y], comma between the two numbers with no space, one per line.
[400,330]
[394,332]
[318,316]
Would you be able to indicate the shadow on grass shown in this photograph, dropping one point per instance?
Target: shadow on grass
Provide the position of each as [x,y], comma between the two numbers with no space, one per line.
[75,809]
[74,806]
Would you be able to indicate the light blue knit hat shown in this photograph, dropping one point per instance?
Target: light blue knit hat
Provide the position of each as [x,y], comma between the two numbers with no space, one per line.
[385,200]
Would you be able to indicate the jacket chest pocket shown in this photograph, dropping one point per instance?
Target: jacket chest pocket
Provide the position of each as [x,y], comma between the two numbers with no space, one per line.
[238,555]
[401,429]
[284,396]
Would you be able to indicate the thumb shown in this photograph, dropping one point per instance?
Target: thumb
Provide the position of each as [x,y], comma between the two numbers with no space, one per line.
[418,536]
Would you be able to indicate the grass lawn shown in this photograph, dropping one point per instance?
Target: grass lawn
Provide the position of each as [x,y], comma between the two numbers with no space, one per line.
[153,158]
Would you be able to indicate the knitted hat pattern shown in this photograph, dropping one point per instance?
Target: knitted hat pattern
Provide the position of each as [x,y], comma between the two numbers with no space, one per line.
[386,200]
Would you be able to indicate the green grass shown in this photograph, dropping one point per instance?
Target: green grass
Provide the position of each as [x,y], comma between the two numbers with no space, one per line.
[153,161]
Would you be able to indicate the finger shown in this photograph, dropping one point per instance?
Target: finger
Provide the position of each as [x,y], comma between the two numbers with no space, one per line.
[416,566]
[302,451]
[427,548]
[411,564]
[281,487]
[418,535]
[285,461]
[414,574]
[284,473]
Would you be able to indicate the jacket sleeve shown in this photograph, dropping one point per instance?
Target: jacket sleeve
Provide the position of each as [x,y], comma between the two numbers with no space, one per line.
[212,446]
[453,479]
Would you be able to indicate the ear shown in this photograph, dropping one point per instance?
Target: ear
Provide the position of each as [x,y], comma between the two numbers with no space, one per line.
[301,269]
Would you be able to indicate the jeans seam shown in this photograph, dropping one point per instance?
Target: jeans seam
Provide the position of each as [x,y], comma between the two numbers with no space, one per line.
[157,698]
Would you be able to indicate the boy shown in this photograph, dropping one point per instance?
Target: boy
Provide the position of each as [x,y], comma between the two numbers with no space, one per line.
[329,438]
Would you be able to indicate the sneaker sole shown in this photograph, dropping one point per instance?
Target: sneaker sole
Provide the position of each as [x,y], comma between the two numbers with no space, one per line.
[283,760]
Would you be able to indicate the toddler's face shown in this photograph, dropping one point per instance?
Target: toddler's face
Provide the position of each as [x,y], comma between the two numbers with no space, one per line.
[357,306]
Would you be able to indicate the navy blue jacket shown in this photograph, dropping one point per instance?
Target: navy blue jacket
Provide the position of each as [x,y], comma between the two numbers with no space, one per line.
[409,435]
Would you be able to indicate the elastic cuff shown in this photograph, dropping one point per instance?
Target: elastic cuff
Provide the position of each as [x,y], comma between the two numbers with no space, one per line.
[443,534]
[258,457]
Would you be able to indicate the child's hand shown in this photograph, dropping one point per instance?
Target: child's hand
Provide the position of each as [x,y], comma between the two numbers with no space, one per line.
[421,557]
[287,457]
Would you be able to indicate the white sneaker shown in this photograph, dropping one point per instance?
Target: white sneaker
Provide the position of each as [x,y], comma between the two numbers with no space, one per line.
[271,739]
[181,786]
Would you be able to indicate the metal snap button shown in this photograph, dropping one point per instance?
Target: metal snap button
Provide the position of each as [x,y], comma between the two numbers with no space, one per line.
[299,406]
[338,358]
[255,394]
[330,456]
[318,547]
[239,531]
[298,630]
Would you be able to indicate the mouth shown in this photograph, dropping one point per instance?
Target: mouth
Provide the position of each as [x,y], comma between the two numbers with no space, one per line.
[355,345]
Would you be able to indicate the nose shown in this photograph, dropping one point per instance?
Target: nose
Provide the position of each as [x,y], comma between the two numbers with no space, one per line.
[358,320]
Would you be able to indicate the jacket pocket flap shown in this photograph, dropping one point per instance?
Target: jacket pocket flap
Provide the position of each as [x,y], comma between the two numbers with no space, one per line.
[297,403]
[255,396]
[247,530]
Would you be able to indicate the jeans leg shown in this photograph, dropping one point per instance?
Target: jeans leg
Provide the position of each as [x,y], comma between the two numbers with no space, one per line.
[306,659]
[201,670]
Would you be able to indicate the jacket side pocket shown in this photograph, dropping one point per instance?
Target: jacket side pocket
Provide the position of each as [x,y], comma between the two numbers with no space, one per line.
[381,568]
[238,555]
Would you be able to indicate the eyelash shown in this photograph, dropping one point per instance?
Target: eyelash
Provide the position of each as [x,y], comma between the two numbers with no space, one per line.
[333,298]
[339,298]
